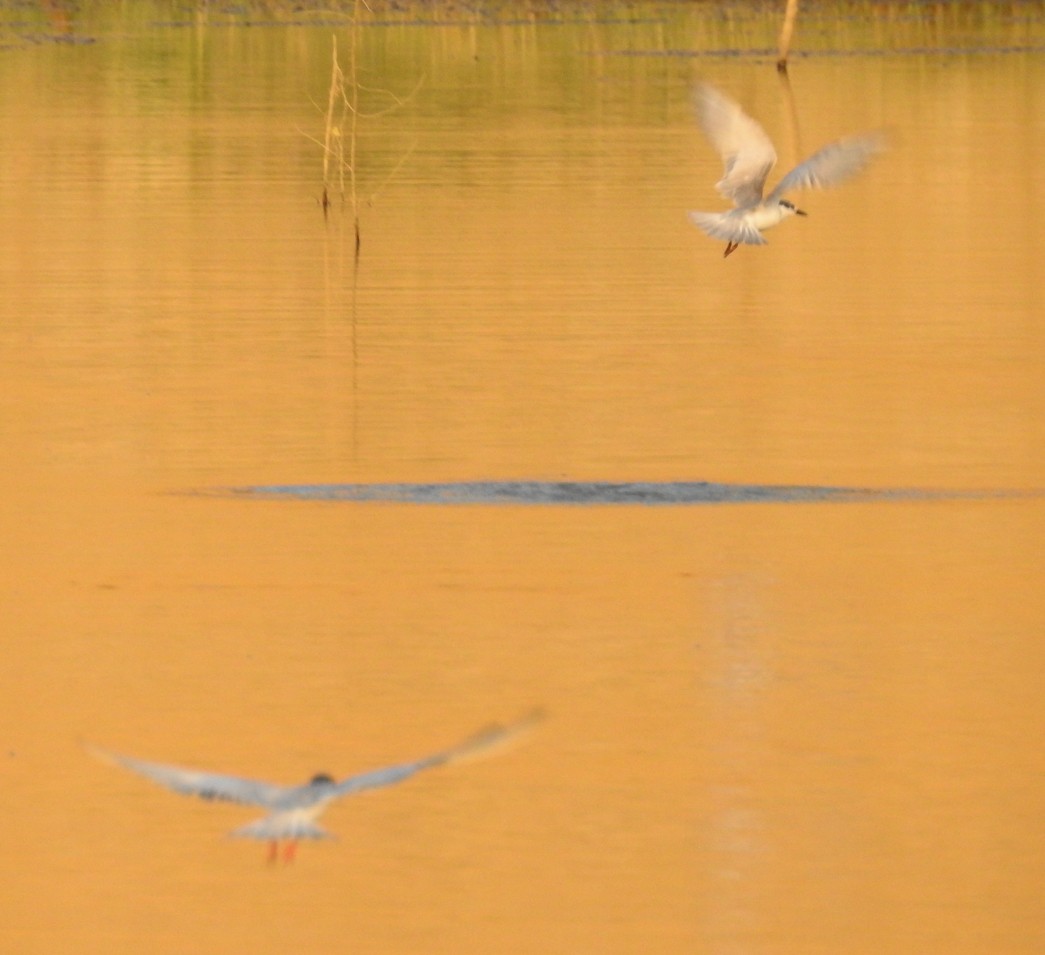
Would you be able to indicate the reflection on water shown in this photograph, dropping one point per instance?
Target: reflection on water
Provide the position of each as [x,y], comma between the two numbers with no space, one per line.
[738,680]
[775,730]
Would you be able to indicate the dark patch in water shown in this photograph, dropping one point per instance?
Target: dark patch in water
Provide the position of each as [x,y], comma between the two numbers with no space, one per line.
[597,492]
[767,53]
[59,39]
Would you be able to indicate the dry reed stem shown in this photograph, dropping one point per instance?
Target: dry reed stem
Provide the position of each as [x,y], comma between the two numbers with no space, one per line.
[336,87]
[787,28]
[346,88]
[353,106]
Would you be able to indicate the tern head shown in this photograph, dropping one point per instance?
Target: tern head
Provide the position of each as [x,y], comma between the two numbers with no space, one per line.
[790,208]
[321,779]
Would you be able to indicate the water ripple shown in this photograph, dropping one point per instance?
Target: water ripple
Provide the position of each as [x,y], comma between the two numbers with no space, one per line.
[599,493]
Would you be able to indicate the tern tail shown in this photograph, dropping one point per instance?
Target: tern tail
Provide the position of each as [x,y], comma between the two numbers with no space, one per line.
[727,226]
[278,827]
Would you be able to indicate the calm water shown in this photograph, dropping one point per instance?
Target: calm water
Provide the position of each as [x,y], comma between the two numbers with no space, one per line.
[792,726]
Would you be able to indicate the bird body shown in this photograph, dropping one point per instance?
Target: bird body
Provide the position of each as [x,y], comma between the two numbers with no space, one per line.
[748,155]
[292,810]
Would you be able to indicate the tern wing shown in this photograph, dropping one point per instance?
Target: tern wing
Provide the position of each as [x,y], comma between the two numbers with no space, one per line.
[193,782]
[831,165]
[476,745]
[745,148]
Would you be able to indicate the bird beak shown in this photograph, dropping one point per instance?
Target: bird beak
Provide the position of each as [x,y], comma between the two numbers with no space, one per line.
[799,212]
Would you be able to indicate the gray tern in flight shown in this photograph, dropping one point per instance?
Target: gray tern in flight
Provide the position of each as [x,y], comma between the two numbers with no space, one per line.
[748,155]
[293,810]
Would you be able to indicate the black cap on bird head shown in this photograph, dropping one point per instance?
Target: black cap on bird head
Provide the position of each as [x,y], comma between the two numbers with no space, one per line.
[320,778]
[791,206]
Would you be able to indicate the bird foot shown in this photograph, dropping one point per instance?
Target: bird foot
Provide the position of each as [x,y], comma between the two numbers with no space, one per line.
[290,850]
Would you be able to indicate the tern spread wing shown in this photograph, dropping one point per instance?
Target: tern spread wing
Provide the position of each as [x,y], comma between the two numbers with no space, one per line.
[293,809]
[476,745]
[192,782]
[831,165]
[745,148]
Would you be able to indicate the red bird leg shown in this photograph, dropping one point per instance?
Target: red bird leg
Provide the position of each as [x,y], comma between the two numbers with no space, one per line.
[273,851]
[290,850]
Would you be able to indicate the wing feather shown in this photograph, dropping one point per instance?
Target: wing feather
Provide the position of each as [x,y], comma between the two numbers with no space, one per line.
[746,150]
[831,165]
[193,782]
[478,744]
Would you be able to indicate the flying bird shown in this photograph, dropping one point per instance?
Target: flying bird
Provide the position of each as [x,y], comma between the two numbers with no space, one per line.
[293,810]
[748,155]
